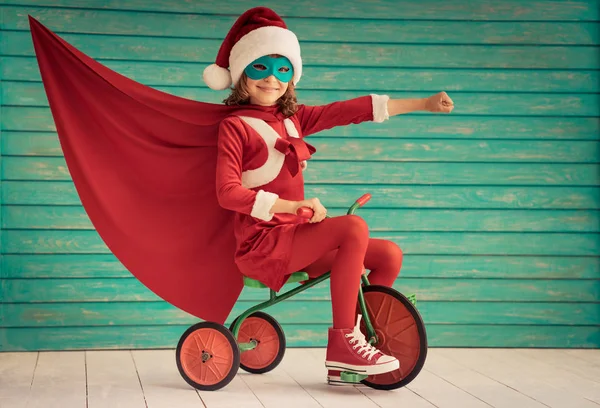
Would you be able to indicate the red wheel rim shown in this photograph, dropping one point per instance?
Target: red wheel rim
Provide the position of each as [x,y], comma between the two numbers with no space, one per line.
[268,343]
[397,332]
[206,356]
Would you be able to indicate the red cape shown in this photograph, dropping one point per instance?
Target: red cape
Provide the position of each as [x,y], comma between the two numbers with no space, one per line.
[143,163]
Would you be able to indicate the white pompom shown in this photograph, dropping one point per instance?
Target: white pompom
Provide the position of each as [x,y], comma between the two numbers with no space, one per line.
[217,77]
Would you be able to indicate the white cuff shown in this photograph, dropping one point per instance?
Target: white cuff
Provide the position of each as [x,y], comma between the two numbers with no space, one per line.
[380,109]
[263,204]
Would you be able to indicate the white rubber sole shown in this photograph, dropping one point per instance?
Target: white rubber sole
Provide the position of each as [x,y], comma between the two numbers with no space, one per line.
[361,369]
[337,381]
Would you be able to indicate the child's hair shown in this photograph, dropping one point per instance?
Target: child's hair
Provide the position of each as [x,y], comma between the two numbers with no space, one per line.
[288,103]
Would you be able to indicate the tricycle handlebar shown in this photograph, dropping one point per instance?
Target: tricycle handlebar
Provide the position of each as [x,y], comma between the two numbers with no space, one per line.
[363,200]
[305,212]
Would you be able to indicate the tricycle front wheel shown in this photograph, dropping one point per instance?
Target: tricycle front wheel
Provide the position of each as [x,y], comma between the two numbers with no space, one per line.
[208,357]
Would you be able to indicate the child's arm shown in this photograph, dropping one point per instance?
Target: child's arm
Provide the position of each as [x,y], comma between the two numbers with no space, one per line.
[400,106]
[439,102]
[290,207]
[314,119]
[376,108]
[230,192]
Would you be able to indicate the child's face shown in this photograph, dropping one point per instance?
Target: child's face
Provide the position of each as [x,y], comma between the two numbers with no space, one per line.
[268,78]
[267,91]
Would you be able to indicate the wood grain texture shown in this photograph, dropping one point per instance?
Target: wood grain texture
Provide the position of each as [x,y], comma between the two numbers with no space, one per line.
[272,390]
[454,376]
[294,311]
[342,30]
[383,196]
[75,218]
[495,206]
[161,382]
[573,10]
[17,371]
[409,126]
[468,104]
[343,78]
[108,47]
[413,266]
[519,375]
[426,243]
[380,149]
[350,172]
[470,78]
[578,377]
[451,378]
[5,399]
[426,289]
[60,380]
[113,381]
[117,337]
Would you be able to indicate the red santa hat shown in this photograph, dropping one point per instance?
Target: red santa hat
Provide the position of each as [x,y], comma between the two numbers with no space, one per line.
[257,32]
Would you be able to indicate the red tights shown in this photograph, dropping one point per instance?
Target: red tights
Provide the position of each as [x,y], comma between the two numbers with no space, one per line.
[342,245]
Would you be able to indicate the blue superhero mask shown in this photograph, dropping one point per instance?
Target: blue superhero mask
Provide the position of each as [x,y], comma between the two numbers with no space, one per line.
[266,66]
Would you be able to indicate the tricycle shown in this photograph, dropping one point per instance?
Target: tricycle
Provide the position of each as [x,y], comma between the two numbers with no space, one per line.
[209,355]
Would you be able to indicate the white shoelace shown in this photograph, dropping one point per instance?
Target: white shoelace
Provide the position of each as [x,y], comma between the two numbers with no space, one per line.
[361,343]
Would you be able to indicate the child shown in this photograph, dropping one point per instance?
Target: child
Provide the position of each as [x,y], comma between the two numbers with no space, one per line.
[261,156]
[188,194]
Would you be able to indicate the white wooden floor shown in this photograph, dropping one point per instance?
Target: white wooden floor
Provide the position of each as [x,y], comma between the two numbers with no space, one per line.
[452,378]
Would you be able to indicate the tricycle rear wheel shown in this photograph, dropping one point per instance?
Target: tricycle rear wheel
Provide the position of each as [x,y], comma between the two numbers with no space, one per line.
[269,352]
[401,334]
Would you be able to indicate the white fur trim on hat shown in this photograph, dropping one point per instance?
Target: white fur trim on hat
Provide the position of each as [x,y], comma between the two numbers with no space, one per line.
[217,77]
[264,41]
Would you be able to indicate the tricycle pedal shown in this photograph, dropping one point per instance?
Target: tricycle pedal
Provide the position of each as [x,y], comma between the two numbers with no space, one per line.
[352,377]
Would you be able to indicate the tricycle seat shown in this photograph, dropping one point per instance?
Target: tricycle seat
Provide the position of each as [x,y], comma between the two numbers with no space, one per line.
[294,277]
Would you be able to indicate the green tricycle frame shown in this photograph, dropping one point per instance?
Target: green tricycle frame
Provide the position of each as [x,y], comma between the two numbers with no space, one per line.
[302,277]
[408,327]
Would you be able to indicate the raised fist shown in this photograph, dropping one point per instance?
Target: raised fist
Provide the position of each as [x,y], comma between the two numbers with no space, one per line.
[439,102]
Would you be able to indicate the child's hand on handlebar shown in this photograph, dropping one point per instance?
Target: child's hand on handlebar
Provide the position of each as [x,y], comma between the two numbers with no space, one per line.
[319,212]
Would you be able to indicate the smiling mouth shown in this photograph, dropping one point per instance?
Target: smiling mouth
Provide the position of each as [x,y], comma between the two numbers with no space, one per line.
[268,89]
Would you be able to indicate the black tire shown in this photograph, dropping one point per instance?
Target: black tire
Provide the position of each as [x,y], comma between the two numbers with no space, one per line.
[232,366]
[279,348]
[401,305]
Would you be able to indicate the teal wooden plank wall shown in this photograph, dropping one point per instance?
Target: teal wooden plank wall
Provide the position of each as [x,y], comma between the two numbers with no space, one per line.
[496,205]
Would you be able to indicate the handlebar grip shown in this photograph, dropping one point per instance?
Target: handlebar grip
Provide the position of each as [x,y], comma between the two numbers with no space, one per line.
[305,212]
[363,199]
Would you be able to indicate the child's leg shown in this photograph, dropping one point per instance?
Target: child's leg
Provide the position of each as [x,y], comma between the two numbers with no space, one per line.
[347,348]
[383,258]
[350,236]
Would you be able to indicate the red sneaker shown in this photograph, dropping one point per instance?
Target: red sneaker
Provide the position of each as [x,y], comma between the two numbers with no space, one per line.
[348,350]
[333,378]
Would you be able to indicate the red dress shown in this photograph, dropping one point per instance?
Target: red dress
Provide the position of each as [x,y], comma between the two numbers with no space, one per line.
[261,157]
